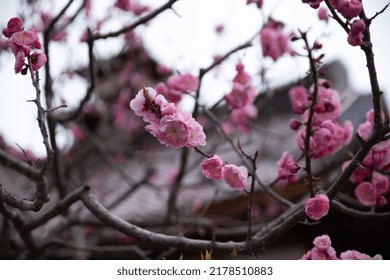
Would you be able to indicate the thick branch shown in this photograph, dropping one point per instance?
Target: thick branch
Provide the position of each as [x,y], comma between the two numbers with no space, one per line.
[58,209]
[22,204]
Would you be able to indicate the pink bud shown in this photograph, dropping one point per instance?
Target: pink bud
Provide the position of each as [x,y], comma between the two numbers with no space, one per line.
[15,24]
[295,124]
[323,14]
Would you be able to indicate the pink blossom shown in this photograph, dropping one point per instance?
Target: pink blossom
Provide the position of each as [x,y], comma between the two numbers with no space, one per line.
[318,254]
[212,167]
[163,69]
[242,93]
[21,41]
[26,38]
[313,3]
[295,124]
[171,95]
[37,60]
[349,8]
[354,255]
[274,42]
[334,3]
[169,124]
[259,3]
[298,99]
[366,194]
[355,34]
[328,103]
[147,104]
[317,206]
[240,118]
[59,36]
[173,132]
[242,77]
[322,249]
[19,62]
[219,28]
[380,182]
[15,24]
[235,176]
[286,164]
[183,82]
[327,138]
[197,136]
[125,5]
[323,14]
[240,96]
[322,242]
[140,9]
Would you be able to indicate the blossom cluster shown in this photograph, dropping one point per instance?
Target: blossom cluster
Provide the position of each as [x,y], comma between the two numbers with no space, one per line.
[274,41]
[240,101]
[349,9]
[235,176]
[327,135]
[21,42]
[323,250]
[371,176]
[176,86]
[169,124]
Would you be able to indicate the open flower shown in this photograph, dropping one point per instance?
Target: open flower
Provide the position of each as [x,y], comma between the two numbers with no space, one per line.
[235,176]
[317,207]
[212,167]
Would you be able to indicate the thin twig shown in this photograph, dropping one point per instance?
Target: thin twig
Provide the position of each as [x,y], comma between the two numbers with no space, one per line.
[380,12]
[19,166]
[141,21]
[92,81]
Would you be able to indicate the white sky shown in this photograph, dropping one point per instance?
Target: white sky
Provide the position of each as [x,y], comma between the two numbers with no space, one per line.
[186,41]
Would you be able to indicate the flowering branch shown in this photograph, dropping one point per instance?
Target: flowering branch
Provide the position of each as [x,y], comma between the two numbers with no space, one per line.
[307,149]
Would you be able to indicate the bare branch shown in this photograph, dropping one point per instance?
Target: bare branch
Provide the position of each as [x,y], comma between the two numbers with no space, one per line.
[19,166]
[354,213]
[22,204]
[58,209]
[141,21]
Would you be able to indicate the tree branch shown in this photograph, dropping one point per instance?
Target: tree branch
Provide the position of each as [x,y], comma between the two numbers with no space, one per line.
[141,21]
